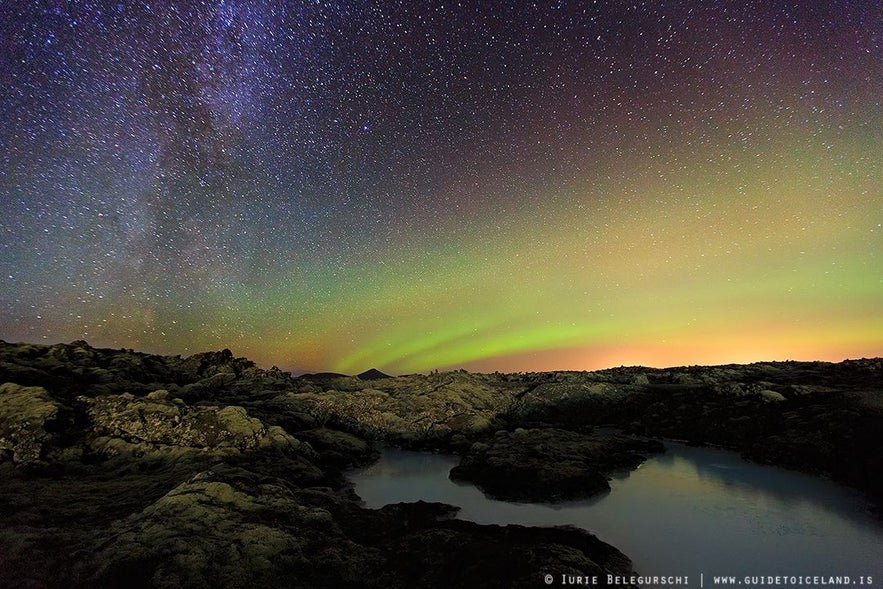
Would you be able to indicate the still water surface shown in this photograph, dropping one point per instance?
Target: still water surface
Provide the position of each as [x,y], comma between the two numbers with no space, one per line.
[686,512]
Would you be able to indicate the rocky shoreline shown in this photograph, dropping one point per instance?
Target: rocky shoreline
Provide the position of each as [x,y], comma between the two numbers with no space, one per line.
[127,469]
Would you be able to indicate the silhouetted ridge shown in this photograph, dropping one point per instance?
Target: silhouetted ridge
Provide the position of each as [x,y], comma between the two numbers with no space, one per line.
[372,374]
[322,376]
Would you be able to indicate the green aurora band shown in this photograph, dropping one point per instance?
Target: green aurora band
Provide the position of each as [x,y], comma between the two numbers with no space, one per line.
[772,258]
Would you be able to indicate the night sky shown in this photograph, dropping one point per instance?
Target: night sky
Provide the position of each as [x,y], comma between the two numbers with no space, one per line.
[415,185]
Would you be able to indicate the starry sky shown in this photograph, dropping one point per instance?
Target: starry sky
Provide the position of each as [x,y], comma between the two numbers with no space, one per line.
[415,185]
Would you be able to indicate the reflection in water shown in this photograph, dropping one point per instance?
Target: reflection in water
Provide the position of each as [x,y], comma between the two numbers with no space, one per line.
[688,511]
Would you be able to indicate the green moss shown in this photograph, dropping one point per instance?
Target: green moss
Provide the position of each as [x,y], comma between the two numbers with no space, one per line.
[24,415]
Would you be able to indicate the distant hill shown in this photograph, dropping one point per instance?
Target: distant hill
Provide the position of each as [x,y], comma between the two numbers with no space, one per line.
[372,374]
[323,376]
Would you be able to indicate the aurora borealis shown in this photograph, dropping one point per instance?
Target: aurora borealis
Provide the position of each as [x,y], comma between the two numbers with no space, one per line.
[417,185]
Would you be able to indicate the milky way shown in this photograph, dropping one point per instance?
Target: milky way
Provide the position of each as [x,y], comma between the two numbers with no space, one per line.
[419,185]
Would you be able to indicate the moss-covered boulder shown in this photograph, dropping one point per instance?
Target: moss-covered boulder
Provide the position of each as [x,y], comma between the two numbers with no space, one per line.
[412,409]
[28,417]
[549,464]
[157,421]
[338,448]
[231,528]
[576,399]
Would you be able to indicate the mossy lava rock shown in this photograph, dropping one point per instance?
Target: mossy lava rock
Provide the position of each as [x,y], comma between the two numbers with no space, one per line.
[549,465]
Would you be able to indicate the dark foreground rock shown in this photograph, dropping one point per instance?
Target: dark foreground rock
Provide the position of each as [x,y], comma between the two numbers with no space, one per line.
[235,529]
[232,527]
[549,464]
[227,528]
[435,550]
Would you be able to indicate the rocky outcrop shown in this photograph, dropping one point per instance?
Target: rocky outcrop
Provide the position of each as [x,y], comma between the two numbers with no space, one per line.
[28,420]
[413,410]
[234,528]
[426,547]
[230,528]
[817,417]
[549,464]
[124,423]
[78,369]
[576,399]
[339,448]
